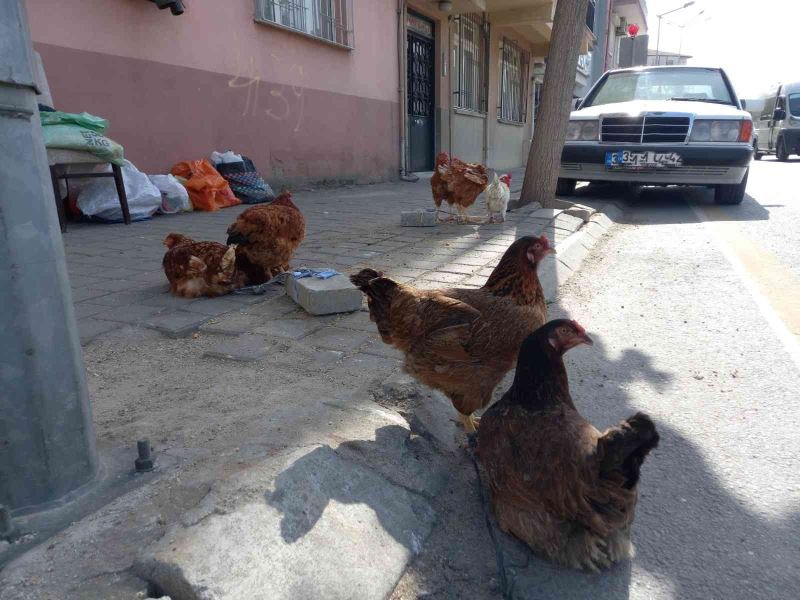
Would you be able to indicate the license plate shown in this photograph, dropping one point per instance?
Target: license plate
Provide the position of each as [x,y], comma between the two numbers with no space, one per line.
[625,159]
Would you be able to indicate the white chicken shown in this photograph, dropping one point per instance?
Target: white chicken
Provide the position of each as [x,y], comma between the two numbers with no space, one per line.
[497,196]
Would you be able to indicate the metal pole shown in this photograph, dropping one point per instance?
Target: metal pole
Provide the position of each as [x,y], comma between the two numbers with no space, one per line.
[47,440]
[658,39]
[601,21]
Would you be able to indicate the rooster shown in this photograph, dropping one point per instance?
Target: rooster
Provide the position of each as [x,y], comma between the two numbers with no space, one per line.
[564,488]
[497,196]
[457,183]
[200,268]
[267,236]
[462,341]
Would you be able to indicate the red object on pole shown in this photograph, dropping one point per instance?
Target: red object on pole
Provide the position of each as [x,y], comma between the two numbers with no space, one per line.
[633,29]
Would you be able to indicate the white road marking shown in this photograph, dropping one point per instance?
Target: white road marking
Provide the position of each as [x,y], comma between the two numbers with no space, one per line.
[787,338]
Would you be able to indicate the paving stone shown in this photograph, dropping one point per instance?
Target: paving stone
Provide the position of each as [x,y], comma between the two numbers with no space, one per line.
[167,300]
[81,293]
[359,320]
[89,328]
[572,252]
[324,296]
[132,313]
[289,328]
[233,324]
[326,527]
[176,323]
[87,309]
[273,307]
[377,347]
[245,348]
[442,277]
[582,212]
[213,306]
[455,267]
[424,217]
[112,285]
[337,338]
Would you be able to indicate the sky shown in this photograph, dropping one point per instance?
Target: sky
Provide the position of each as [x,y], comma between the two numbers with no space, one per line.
[757,42]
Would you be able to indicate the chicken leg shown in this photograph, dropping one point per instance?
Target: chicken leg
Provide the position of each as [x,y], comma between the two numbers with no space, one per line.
[469,422]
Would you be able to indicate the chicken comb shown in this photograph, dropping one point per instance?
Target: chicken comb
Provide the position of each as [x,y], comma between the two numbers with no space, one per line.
[545,240]
[578,328]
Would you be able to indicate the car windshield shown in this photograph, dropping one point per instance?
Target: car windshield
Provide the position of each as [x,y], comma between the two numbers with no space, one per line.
[696,85]
[794,104]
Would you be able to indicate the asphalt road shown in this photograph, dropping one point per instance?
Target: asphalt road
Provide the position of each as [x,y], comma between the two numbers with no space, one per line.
[695,308]
[695,312]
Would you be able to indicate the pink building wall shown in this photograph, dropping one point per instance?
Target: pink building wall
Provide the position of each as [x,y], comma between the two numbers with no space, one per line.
[176,88]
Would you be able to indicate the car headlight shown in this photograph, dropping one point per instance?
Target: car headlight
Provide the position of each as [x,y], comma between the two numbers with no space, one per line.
[585,131]
[706,130]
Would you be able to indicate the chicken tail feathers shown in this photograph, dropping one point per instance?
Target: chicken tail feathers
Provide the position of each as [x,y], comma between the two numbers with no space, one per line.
[622,449]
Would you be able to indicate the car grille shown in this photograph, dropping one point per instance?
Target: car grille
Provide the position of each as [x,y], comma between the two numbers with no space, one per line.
[649,129]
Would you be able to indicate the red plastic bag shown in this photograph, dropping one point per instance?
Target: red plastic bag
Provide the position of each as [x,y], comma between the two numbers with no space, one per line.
[207,189]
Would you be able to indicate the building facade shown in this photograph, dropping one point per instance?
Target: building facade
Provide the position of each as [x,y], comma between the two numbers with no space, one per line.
[614,48]
[311,90]
[666,58]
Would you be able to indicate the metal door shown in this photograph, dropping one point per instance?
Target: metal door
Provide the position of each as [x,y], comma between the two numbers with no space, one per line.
[421,118]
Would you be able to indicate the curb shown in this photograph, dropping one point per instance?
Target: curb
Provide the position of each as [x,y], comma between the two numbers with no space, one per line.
[573,250]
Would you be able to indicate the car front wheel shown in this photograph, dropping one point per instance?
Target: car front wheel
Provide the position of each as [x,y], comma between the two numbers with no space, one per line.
[731,193]
[565,187]
[780,152]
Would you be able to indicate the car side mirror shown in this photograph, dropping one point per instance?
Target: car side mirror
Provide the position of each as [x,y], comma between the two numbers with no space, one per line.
[744,104]
[576,103]
[779,114]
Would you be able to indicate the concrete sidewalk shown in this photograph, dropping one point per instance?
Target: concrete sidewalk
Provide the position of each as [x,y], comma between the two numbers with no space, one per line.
[295,460]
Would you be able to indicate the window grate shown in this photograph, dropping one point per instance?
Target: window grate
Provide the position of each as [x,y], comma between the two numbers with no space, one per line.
[470,63]
[514,63]
[329,20]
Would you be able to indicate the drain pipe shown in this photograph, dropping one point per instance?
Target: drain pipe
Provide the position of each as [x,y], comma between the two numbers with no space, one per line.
[401,70]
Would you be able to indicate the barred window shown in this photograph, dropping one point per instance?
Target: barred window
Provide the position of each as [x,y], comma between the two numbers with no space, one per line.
[470,62]
[330,20]
[513,83]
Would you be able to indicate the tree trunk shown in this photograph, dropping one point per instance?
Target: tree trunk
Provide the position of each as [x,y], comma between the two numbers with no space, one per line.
[544,160]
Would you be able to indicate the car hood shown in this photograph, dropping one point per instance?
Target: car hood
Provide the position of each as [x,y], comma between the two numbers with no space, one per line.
[639,107]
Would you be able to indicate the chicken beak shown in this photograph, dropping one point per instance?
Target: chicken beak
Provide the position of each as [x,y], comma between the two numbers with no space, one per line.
[551,251]
[585,339]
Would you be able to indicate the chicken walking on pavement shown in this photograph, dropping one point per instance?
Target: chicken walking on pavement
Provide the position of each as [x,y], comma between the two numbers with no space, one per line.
[459,184]
[462,341]
[498,195]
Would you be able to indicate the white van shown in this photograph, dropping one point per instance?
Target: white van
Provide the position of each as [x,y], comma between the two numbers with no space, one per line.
[778,128]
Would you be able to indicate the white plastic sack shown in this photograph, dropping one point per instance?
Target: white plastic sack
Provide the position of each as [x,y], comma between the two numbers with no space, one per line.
[225,157]
[174,197]
[99,198]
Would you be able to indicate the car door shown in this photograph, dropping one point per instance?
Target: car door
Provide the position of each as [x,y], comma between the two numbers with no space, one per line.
[780,103]
[765,124]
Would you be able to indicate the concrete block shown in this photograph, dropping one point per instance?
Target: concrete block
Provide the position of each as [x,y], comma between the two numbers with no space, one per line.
[324,296]
[423,217]
[572,252]
[436,419]
[580,211]
[245,348]
[309,525]
[90,328]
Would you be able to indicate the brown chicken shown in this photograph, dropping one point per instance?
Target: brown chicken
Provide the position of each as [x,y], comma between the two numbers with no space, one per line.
[267,236]
[457,183]
[462,341]
[200,268]
[557,483]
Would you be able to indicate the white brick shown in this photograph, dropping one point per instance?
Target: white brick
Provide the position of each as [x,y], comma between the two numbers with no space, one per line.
[324,296]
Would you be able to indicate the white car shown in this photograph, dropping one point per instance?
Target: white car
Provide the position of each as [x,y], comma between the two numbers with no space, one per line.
[675,125]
